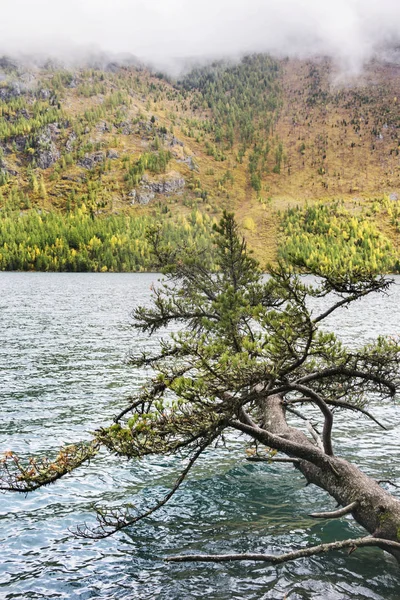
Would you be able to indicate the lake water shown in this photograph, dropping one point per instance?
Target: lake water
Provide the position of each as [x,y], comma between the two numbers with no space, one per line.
[63,372]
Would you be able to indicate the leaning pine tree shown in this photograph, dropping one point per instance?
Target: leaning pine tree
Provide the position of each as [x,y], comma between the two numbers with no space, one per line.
[249,351]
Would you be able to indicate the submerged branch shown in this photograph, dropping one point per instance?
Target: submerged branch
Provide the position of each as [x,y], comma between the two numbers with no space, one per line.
[282,558]
[275,459]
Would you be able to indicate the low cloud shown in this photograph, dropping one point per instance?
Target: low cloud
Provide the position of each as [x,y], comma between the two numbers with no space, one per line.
[167,31]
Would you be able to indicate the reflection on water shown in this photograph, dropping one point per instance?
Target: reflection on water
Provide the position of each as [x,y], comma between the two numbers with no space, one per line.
[64,338]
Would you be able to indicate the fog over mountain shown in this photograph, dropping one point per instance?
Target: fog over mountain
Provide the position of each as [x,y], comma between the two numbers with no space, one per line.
[165,31]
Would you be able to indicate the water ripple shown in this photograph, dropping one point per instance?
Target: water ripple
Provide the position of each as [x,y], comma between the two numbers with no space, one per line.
[65,338]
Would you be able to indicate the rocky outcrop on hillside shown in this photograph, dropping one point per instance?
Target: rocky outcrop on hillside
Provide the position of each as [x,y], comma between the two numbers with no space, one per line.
[47,152]
[13,90]
[123,127]
[166,186]
[148,189]
[190,162]
[70,141]
[89,161]
[141,196]
[103,127]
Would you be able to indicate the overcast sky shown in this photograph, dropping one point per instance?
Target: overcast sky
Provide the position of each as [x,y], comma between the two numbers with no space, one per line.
[350,30]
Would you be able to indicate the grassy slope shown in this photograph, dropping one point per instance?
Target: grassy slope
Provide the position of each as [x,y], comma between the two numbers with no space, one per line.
[341,137]
[349,129]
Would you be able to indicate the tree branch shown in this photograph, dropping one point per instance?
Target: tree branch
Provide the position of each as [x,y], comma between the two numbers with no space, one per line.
[309,453]
[275,459]
[379,285]
[328,422]
[347,405]
[341,404]
[128,409]
[349,373]
[335,514]
[18,477]
[115,520]
[310,426]
[304,357]
[342,302]
[148,395]
[380,481]
[283,558]
[245,418]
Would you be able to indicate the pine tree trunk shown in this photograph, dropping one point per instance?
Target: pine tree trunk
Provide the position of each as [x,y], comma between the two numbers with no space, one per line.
[377,510]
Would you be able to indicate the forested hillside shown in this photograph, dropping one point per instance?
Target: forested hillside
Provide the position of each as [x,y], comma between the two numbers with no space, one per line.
[90,157]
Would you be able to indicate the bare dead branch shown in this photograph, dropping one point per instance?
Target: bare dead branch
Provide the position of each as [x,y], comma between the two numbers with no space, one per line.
[335,514]
[315,436]
[310,427]
[296,554]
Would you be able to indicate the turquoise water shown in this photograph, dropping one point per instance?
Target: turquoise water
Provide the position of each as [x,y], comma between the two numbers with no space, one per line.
[64,341]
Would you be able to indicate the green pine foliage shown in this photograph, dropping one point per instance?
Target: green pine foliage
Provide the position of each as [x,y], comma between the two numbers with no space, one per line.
[155,162]
[244,100]
[243,97]
[15,119]
[49,241]
[327,239]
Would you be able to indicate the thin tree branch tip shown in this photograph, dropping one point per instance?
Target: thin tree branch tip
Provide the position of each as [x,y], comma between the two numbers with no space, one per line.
[113,521]
[341,404]
[289,556]
[389,482]
[335,514]
[23,476]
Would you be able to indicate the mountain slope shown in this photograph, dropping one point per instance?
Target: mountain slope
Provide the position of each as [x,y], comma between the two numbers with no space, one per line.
[256,137]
